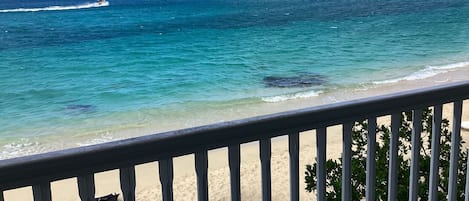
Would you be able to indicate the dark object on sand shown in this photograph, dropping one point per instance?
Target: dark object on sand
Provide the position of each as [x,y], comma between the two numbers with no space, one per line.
[110,197]
[303,80]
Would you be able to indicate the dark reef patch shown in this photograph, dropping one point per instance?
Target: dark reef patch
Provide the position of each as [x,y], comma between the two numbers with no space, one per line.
[80,108]
[303,80]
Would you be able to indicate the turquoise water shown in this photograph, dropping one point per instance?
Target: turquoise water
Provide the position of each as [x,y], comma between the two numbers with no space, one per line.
[76,73]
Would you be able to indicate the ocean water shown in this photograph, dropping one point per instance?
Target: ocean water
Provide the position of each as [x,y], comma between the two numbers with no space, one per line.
[75,72]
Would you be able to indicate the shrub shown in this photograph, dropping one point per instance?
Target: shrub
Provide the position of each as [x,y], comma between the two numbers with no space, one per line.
[359,142]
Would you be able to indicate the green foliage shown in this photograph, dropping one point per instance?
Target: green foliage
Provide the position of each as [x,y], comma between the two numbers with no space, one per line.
[359,142]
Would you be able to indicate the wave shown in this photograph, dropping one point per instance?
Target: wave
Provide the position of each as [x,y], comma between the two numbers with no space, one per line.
[21,147]
[52,8]
[27,146]
[107,137]
[280,98]
[427,72]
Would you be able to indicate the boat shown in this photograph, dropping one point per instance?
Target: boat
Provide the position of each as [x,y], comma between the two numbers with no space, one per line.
[102,2]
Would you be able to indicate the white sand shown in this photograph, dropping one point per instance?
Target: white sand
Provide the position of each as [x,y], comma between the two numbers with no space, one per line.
[148,187]
[465,125]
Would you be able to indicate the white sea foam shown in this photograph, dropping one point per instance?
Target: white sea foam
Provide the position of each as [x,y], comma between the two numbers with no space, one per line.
[51,8]
[29,146]
[280,98]
[22,147]
[102,139]
[427,72]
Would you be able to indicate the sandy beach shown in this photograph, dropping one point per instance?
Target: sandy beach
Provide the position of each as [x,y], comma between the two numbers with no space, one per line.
[148,186]
[77,73]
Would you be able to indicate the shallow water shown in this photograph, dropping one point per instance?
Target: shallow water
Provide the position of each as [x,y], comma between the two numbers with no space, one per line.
[72,77]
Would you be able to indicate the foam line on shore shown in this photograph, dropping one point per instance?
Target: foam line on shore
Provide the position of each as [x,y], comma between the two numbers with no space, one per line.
[427,72]
[21,147]
[286,97]
[107,137]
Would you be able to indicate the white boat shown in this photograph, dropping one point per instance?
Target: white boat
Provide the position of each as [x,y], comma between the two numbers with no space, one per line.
[103,2]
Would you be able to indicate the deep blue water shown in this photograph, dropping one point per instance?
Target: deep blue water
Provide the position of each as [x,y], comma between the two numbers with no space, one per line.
[78,72]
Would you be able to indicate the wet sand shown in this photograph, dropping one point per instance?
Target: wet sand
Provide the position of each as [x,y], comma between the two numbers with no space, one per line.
[149,188]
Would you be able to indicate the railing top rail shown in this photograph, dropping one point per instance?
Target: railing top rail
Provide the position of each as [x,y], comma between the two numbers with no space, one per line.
[68,163]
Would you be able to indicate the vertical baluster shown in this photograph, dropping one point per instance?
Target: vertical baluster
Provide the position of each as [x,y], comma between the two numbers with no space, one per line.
[415,154]
[455,142]
[392,175]
[127,180]
[41,192]
[321,163]
[294,149]
[265,154]
[347,161]
[86,187]
[371,160]
[201,166]
[466,189]
[234,162]
[166,178]
[435,153]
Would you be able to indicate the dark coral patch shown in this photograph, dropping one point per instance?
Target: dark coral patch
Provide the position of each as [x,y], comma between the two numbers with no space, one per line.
[80,108]
[303,80]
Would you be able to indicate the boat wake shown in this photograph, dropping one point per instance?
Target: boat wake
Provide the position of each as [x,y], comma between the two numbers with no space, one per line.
[52,8]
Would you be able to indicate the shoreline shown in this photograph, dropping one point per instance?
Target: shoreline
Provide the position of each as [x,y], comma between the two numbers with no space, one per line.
[157,122]
[84,77]
[148,187]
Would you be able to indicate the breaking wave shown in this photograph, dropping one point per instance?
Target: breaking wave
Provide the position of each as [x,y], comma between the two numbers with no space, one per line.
[52,8]
[286,97]
[427,72]
[21,147]
[107,137]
